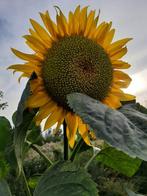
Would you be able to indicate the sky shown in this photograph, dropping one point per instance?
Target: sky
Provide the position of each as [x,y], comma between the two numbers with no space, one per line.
[128,16]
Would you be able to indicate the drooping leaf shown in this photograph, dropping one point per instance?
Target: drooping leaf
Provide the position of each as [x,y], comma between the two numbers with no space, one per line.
[24,118]
[4,189]
[111,125]
[14,117]
[5,128]
[119,161]
[65,178]
[34,134]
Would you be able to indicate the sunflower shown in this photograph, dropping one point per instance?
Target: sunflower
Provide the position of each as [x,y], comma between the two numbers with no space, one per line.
[73,55]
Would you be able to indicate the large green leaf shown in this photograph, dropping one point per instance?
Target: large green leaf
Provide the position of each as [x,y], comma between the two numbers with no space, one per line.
[137,114]
[65,178]
[111,125]
[5,128]
[4,189]
[119,161]
[23,120]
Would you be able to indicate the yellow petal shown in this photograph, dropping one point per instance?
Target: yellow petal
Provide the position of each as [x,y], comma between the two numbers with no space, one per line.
[117,45]
[115,88]
[24,75]
[34,34]
[120,83]
[97,19]
[36,88]
[98,30]
[119,54]
[83,130]
[26,68]
[38,45]
[36,85]
[53,118]
[72,124]
[109,37]
[127,97]
[112,101]
[37,100]
[102,34]
[90,22]
[32,46]
[60,122]
[76,21]
[24,56]
[62,24]
[41,32]
[50,25]
[83,19]
[120,64]
[70,23]
[119,75]
[45,111]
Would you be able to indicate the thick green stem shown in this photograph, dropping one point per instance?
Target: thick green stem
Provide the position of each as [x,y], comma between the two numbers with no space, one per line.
[28,192]
[65,142]
[76,149]
[37,149]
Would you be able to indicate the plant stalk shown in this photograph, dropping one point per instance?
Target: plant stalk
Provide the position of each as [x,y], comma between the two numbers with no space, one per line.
[76,149]
[65,141]
[28,192]
[95,152]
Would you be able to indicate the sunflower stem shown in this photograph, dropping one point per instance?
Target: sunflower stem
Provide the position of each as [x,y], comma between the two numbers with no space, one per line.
[76,149]
[28,192]
[65,141]
[37,149]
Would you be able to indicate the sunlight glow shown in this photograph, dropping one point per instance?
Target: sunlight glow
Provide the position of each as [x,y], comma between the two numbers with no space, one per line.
[138,84]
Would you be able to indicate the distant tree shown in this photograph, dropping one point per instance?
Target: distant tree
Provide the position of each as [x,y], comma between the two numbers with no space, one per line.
[3,105]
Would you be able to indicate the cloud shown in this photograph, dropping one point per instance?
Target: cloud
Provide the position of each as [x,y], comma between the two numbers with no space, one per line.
[4,29]
[129,18]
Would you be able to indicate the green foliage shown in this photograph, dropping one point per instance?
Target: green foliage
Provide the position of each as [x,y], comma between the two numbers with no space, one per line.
[4,168]
[141,178]
[32,182]
[5,128]
[23,120]
[111,125]
[119,161]
[109,182]
[125,130]
[4,188]
[65,178]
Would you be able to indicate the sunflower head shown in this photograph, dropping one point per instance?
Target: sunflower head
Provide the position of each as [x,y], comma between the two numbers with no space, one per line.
[76,64]
[73,55]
